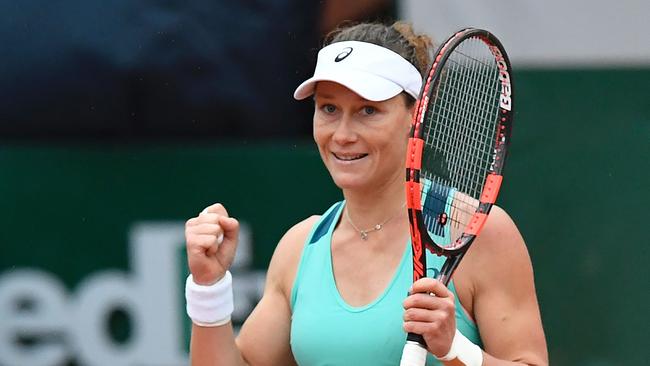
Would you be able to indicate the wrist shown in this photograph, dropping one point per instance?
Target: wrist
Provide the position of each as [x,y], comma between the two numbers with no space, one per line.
[464,350]
[211,305]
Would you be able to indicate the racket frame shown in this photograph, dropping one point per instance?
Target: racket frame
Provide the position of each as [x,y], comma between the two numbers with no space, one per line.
[415,348]
[420,240]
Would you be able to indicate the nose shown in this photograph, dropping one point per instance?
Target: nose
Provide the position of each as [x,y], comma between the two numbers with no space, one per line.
[345,132]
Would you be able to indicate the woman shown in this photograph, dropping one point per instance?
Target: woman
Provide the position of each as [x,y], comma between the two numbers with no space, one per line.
[336,291]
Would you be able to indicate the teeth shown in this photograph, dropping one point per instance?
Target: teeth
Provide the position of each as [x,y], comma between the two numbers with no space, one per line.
[349,157]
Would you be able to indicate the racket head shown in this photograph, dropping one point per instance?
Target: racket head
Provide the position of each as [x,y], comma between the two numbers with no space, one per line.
[458,145]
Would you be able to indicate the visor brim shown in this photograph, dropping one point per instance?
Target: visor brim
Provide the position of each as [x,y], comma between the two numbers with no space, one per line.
[366,85]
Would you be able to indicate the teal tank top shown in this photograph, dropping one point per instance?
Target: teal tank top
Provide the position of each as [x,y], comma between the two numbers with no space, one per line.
[325,330]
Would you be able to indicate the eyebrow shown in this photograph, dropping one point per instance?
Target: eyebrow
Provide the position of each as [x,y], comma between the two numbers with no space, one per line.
[324,95]
[332,96]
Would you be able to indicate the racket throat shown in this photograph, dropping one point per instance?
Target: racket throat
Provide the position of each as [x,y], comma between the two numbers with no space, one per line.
[448,268]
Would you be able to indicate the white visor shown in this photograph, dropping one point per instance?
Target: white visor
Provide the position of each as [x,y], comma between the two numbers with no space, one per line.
[374,72]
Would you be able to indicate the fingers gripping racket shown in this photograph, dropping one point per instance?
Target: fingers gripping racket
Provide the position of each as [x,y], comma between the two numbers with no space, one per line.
[459,140]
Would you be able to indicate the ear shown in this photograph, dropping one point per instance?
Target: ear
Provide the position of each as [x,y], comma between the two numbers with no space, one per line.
[408,121]
[413,110]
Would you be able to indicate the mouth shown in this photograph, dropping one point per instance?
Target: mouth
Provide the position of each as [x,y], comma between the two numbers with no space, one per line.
[347,157]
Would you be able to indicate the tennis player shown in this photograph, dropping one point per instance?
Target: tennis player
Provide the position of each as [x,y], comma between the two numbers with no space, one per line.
[337,285]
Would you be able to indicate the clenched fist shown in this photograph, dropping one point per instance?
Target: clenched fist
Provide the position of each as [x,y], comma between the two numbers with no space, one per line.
[211,244]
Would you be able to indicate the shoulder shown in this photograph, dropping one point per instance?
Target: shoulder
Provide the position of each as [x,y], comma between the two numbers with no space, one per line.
[286,256]
[500,231]
[504,302]
[499,253]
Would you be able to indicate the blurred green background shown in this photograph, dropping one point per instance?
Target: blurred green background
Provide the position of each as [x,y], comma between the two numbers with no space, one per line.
[576,184]
[75,211]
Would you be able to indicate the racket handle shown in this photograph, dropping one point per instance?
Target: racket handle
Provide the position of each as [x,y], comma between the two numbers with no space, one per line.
[414,354]
[417,338]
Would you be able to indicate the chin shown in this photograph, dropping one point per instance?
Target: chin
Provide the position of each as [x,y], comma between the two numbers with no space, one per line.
[345,181]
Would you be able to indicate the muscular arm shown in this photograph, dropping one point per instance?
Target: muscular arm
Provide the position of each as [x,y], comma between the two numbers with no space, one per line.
[504,300]
[214,346]
[264,337]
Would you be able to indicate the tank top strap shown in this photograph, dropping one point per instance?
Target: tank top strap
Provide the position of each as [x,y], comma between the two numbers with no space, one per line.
[321,233]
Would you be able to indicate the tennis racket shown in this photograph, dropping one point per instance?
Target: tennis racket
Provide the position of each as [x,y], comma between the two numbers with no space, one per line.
[456,152]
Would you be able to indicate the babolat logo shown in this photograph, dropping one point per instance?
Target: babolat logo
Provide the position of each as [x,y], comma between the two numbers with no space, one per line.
[505,99]
[345,53]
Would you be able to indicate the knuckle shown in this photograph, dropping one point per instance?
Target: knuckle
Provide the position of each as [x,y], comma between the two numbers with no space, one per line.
[414,302]
[194,253]
[449,304]
[434,326]
[190,238]
[427,282]
[423,300]
[408,327]
[422,282]
[444,317]
[190,222]
[209,229]
[209,240]
[208,218]
[192,232]
[218,208]
[217,229]
[435,284]
[451,296]
[408,314]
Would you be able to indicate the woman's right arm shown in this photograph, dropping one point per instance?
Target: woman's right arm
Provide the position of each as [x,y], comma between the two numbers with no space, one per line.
[264,337]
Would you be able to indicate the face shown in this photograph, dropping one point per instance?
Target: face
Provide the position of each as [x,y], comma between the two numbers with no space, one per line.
[362,143]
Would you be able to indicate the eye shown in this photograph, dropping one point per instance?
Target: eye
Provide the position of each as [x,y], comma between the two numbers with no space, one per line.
[328,108]
[368,110]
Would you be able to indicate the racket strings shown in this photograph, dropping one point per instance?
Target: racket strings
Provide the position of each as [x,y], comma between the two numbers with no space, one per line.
[468,151]
[464,94]
[459,203]
[485,92]
[460,134]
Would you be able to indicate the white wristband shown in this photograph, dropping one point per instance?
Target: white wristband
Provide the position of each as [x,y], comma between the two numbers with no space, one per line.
[464,350]
[209,306]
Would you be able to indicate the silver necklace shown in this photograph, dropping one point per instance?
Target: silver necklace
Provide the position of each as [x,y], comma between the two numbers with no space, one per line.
[364,233]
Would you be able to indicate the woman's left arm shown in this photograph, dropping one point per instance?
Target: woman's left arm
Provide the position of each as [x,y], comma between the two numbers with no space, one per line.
[504,301]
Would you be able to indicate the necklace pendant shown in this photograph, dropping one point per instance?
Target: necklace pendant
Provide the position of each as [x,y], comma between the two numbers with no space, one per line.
[378,227]
[364,235]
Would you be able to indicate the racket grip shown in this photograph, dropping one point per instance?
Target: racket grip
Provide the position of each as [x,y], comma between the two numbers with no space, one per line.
[414,354]
[418,338]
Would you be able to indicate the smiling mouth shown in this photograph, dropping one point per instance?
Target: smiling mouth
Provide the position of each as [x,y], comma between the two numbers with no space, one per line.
[349,157]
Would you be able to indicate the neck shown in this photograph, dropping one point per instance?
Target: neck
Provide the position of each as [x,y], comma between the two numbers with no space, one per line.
[370,207]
